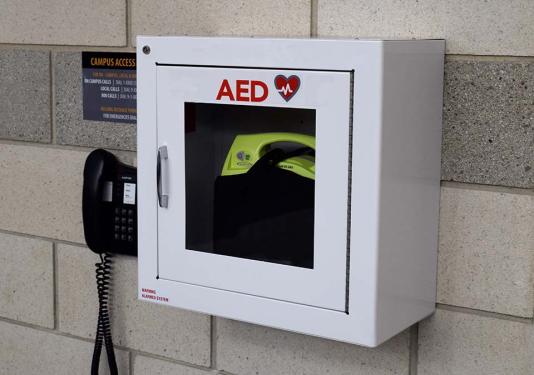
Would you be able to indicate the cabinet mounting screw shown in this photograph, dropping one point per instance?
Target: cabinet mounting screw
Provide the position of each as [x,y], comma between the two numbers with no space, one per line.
[146,50]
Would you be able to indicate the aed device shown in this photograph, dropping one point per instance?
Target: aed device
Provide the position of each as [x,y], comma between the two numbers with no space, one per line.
[263,206]
[292,183]
[247,149]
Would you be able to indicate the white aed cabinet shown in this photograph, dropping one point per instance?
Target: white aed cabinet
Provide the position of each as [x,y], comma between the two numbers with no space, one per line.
[292,183]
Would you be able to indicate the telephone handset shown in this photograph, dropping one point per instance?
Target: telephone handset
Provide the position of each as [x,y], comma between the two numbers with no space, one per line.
[109,210]
[109,204]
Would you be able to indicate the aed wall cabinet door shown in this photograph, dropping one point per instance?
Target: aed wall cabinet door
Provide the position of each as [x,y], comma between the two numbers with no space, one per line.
[254,164]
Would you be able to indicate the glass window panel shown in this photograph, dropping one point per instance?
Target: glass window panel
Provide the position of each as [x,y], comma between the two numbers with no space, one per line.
[250,182]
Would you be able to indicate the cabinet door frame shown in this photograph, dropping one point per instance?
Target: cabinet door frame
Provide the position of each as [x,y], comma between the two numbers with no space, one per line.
[323,286]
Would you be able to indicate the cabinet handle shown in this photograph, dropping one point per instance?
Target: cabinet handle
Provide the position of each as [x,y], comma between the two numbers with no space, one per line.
[163,178]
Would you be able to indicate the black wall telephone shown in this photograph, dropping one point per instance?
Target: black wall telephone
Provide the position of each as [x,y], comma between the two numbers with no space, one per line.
[109,204]
[109,210]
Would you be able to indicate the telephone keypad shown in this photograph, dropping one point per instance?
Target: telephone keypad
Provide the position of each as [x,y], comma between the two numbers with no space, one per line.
[124,224]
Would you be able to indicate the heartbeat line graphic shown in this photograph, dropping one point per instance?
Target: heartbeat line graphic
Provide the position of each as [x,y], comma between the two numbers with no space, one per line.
[286,89]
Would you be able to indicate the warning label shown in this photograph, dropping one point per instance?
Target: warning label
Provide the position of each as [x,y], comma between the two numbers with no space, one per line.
[109,86]
[152,295]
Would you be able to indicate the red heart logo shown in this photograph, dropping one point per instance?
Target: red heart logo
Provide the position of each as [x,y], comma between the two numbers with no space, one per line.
[287,87]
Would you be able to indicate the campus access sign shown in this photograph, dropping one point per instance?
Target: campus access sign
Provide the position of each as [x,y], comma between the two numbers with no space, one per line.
[109,86]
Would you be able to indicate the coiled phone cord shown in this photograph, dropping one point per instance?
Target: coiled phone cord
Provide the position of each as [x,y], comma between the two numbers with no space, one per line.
[103,330]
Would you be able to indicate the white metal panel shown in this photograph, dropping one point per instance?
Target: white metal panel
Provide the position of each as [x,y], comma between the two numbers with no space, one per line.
[409,186]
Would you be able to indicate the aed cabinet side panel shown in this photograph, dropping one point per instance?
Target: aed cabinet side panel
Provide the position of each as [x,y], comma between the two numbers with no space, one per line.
[409,183]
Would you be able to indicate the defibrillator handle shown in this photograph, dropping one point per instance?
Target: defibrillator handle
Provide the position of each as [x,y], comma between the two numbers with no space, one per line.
[267,139]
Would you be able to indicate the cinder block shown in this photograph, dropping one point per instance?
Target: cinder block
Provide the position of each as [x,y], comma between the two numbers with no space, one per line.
[71,128]
[244,348]
[143,326]
[91,23]
[26,280]
[486,250]
[456,343]
[41,191]
[489,123]
[24,350]
[221,17]
[488,27]
[146,365]
[24,93]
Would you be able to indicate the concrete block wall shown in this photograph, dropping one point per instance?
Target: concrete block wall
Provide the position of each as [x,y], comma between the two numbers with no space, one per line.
[485,312]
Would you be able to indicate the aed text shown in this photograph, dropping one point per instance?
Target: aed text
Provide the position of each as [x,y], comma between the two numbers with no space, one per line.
[245,91]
